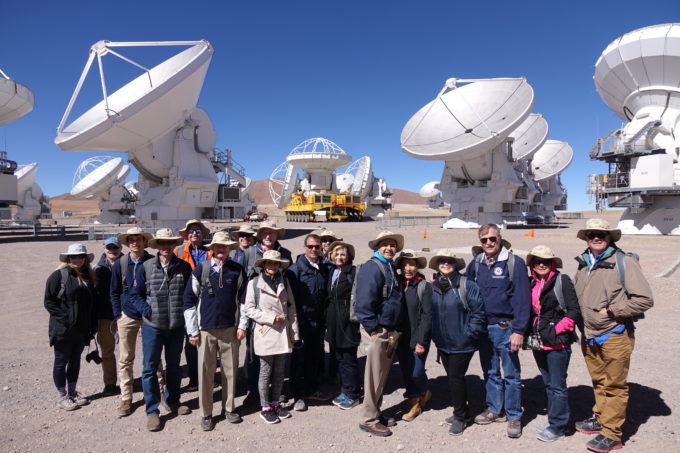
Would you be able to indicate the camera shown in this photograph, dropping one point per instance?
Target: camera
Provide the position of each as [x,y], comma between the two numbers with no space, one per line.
[93,357]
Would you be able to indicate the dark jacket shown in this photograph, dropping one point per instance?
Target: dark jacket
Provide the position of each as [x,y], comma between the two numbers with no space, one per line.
[71,317]
[551,313]
[103,308]
[370,308]
[340,332]
[455,329]
[310,288]
[254,252]
[417,324]
[120,291]
[504,300]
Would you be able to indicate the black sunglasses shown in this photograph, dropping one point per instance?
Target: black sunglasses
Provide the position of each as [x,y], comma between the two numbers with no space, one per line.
[596,234]
[449,261]
[490,238]
[316,247]
[193,230]
[538,261]
[112,247]
[326,239]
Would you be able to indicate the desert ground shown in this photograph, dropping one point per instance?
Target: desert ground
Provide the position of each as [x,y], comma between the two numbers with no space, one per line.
[31,421]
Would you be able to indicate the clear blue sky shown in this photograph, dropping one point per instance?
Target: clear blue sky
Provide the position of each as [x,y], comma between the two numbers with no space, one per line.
[351,71]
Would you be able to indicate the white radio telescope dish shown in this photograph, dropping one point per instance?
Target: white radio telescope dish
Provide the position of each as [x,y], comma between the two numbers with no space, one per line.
[318,155]
[282,184]
[468,121]
[15,99]
[551,159]
[123,174]
[529,136]
[95,176]
[360,173]
[430,190]
[26,175]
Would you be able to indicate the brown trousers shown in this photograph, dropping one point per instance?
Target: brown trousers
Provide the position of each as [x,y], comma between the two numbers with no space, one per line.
[128,330]
[377,371]
[216,342]
[608,366]
[107,343]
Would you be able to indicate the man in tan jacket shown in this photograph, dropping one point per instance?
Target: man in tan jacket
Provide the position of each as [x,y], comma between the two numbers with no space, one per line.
[612,291]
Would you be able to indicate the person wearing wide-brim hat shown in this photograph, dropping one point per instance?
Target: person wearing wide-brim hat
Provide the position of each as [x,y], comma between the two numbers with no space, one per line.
[243,237]
[123,238]
[267,235]
[386,236]
[416,330]
[612,291]
[69,299]
[165,235]
[191,224]
[327,237]
[554,314]
[458,323]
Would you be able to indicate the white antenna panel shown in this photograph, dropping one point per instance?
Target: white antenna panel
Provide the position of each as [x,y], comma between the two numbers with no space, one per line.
[283,183]
[468,121]
[551,159]
[15,99]
[95,176]
[26,175]
[529,136]
[361,174]
[430,190]
[344,181]
[123,174]
[318,155]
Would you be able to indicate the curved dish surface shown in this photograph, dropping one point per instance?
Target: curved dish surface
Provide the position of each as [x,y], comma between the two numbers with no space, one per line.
[551,159]
[529,136]
[93,179]
[15,100]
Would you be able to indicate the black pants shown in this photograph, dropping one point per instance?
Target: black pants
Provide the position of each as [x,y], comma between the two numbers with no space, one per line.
[306,361]
[191,355]
[456,365]
[348,365]
[66,362]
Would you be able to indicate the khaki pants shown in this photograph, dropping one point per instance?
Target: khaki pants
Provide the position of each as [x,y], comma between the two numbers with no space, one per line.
[128,330]
[375,376]
[224,343]
[107,344]
[608,367]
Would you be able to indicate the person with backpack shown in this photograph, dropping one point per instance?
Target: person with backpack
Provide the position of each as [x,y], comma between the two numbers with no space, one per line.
[612,292]
[69,299]
[416,331]
[342,335]
[158,296]
[554,314]
[458,324]
[194,253]
[504,284]
[378,308]
[270,303]
[243,237]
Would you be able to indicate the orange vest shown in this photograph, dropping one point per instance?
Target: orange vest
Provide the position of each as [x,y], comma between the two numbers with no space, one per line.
[186,253]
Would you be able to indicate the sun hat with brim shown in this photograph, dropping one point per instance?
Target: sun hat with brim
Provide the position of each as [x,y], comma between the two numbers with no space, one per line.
[477,249]
[204,229]
[336,244]
[134,231]
[329,234]
[112,241]
[543,252]
[272,255]
[409,254]
[222,238]
[269,225]
[75,250]
[598,225]
[243,229]
[398,238]
[446,253]
[165,234]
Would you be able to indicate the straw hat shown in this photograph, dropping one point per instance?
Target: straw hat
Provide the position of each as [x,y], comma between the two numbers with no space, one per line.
[270,225]
[204,229]
[477,249]
[373,245]
[243,229]
[599,225]
[446,253]
[329,234]
[134,231]
[349,247]
[74,250]
[222,238]
[544,252]
[272,255]
[421,261]
[165,234]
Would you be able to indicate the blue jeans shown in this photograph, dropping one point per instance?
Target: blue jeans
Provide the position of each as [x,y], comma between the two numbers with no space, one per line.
[502,392]
[153,342]
[553,366]
[413,370]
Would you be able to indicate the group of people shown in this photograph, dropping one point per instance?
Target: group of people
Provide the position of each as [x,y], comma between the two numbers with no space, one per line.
[244,285]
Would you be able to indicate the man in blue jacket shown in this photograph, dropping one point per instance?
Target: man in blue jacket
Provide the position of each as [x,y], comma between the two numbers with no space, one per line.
[504,283]
[379,299]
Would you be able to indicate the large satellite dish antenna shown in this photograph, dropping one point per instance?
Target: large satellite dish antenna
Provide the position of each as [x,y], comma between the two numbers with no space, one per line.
[283,183]
[551,159]
[430,190]
[529,136]
[95,176]
[360,174]
[26,175]
[318,155]
[15,99]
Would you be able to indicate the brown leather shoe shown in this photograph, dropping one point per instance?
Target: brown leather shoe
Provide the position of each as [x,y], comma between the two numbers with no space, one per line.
[125,408]
[377,429]
[153,422]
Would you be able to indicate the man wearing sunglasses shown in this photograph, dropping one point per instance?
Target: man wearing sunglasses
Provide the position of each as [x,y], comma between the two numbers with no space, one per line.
[612,291]
[507,301]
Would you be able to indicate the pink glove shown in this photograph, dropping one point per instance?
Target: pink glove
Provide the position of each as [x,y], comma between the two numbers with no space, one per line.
[565,325]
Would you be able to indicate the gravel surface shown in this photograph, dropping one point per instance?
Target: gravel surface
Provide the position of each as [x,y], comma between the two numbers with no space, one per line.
[31,421]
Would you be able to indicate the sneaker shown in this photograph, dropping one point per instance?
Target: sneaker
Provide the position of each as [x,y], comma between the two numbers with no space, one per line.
[207,423]
[589,426]
[232,417]
[66,403]
[269,416]
[319,396]
[603,444]
[109,390]
[541,426]
[153,422]
[282,412]
[348,403]
[458,426]
[487,417]
[300,405]
[125,408]
[79,399]
[514,429]
[449,420]
[339,399]
[548,436]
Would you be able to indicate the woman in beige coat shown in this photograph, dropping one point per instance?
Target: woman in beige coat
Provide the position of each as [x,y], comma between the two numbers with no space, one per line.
[270,304]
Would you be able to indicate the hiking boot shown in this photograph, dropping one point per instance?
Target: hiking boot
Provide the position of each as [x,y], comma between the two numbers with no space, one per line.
[589,426]
[458,426]
[603,444]
[514,429]
[349,403]
[153,422]
[79,399]
[414,410]
[546,435]
[487,417]
[376,429]
[109,390]
[232,417]
[125,408]
[269,416]
[281,412]
[300,405]
[180,409]
[339,399]
[207,423]
[66,403]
